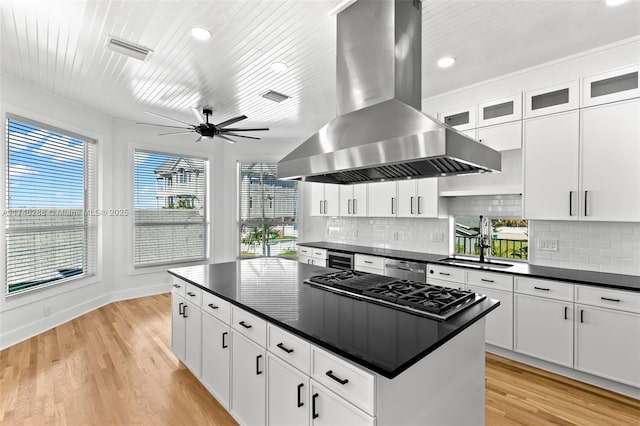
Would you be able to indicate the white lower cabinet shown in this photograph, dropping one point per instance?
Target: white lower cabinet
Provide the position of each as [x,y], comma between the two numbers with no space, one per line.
[287,394]
[178,331]
[499,328]
[328,409]
[216,349]
[186,333]
[607,343]
[248,386]
[544,329]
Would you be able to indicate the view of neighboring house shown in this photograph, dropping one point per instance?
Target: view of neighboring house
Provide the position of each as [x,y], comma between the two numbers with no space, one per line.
[177,183]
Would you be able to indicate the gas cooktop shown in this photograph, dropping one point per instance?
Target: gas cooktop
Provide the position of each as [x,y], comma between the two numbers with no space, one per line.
[427,300]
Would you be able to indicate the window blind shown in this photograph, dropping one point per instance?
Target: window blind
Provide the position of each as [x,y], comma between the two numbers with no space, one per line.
[170,209]
[268,211]
[50,232]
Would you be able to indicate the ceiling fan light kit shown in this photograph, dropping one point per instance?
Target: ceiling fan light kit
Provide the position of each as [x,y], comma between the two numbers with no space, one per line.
[208,130]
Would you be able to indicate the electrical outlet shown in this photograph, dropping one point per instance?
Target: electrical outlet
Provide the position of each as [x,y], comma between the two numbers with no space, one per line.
[437,237]
[395,235]
[547,245]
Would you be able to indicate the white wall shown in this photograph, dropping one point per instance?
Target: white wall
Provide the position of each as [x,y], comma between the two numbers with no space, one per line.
[22,316]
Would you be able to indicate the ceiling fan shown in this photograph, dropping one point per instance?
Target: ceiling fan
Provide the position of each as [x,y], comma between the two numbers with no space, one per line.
[208,130]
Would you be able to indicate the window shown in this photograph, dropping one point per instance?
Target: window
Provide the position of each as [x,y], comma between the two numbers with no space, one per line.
[509,237]
[50,225]
[170,211]
[268,212]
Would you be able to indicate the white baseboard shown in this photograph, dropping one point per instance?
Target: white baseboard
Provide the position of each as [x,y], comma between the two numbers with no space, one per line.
[134,293]
[47,323]
[600,382]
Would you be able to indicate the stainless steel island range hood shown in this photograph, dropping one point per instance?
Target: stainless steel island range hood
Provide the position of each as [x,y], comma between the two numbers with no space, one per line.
[380,132]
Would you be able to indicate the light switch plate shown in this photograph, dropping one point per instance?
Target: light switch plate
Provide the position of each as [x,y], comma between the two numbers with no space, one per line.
[547,245]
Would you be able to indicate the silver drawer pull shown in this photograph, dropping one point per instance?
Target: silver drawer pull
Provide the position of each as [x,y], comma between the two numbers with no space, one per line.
[610,300]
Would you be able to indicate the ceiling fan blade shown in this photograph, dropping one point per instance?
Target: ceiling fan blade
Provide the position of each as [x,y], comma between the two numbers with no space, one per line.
[165,125]
[240,136]
[237,129]
[168,118]
[176,133]
[198,115]
[232,120]
[226,138]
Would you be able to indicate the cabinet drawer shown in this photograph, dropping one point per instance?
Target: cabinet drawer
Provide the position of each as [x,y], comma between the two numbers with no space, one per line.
[347,380]
[250,325]
[611,86]
[320,254]
[487,279]
[178,286]
[375,262]
[448,284]
[368,270]
[544,288]
[608,298]
[217,307]
[446,273]
[305,251]
[194,294]
[289,348]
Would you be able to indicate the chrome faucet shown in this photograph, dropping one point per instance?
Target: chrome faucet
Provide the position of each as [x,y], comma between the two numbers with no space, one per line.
[483,237]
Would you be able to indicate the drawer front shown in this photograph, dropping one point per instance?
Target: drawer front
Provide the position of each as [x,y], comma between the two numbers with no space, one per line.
[448,284]
[489,280]
[446,273]
[544,288]
[375,262]
[369,270]
[347,380]
[249,325]
[193,294]
[290,348]
[217,307]
[320,254]
[178,286]
[305,251]
[608,298]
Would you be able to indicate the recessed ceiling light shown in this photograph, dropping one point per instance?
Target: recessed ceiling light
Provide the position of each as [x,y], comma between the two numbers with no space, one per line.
[612,3]
[446,62]
[279,67]
[200,33]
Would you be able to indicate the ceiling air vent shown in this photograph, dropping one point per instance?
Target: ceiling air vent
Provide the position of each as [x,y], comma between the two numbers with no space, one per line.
[272,95]
[127,48]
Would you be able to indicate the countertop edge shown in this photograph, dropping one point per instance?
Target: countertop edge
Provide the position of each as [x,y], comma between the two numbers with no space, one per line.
[353,358]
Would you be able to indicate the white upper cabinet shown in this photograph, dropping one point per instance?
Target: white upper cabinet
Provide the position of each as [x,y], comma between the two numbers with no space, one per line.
[325,199]
[353,200]
[612,86]
[500,111]
[418,198]
[460,119]
[610,157]
[551,152]
[552,100]
[501,137]
[383,199]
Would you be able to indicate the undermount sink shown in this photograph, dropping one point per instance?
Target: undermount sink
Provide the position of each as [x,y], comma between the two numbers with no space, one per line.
[476,263]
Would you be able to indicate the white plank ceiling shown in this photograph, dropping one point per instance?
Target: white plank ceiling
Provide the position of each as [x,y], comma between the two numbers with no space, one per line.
[60,47]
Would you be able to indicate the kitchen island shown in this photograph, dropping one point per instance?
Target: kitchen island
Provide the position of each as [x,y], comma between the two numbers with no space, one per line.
[383,365]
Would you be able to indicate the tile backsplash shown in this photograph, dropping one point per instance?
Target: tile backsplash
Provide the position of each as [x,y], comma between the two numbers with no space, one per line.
[420,235]
[594,246]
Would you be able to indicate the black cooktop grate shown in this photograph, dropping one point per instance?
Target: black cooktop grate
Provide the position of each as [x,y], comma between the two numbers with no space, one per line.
[436,299]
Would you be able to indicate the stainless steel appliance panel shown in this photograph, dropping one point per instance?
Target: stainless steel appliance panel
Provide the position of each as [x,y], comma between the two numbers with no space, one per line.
[405,270]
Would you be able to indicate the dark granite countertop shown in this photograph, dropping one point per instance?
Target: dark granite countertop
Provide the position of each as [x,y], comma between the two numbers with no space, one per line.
[380,338]
[602,279]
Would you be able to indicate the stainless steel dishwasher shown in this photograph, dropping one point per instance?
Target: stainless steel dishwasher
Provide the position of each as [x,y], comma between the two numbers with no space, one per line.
[406,270]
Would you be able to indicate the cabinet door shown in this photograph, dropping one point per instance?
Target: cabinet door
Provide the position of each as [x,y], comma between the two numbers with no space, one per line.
[427,198]
[544,329]
[248,400]
[287,393]
[382,199]
[359,203]
[215,358]
[611,86]
[305,259]
[607,344]
[500,111]
[502,137]
[345,193]
[551,148]
[332,199]
[499,325]
[610,158]
[328,409]
[460,119]
[193,337]
[407,198]
[316,199]
[178,336]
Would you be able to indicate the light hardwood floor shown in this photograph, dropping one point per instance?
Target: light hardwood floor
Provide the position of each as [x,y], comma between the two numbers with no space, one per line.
[114,366]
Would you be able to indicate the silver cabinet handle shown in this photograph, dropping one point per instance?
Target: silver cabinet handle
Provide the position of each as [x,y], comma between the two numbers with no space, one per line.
[355,204]
[393,199]
[325,206]
[349,206]
[419,205]
[320,211]
[412,204]
[570,203]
